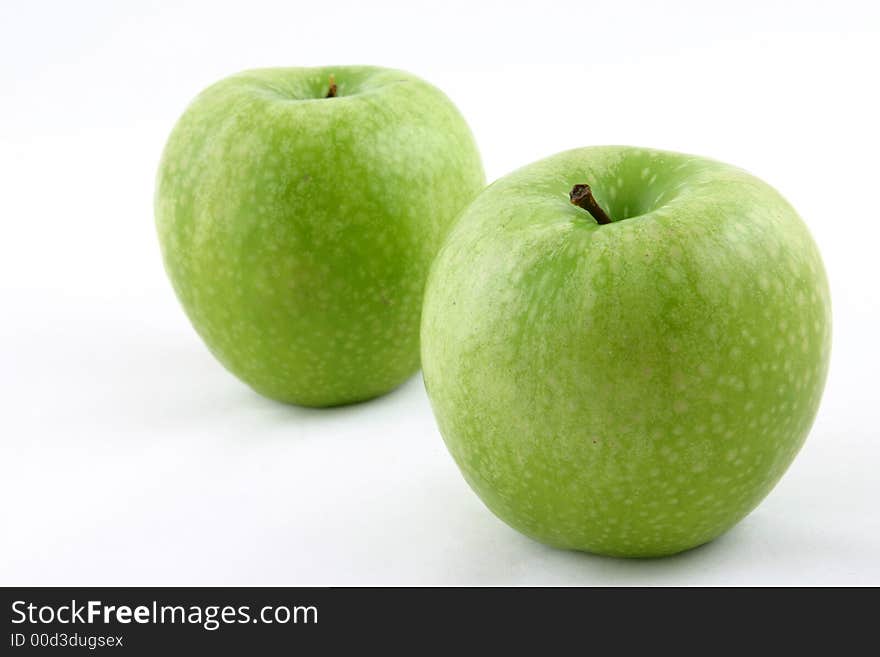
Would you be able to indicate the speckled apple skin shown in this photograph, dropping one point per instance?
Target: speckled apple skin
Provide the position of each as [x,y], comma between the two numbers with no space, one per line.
[632,389]
[298,230]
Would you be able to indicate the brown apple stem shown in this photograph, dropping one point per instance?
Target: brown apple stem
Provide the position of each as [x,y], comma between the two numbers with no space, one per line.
[331,92]
[582,196]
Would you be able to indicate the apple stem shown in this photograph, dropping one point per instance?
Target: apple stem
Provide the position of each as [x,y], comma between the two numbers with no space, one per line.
[582,196]
[331,92]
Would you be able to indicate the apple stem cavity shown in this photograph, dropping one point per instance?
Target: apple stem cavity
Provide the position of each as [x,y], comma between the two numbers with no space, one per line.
[582,196]
[331,91]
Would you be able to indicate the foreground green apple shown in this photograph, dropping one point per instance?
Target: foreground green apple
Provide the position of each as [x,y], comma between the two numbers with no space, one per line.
[298,212]
[631,388]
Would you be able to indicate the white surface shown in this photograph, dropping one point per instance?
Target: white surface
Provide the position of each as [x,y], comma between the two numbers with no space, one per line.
[129,456]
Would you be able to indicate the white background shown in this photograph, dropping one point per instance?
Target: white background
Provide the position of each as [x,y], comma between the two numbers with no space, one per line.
[129,456]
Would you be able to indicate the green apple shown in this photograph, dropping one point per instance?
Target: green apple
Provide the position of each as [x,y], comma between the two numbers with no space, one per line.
[628,370]
[298,211]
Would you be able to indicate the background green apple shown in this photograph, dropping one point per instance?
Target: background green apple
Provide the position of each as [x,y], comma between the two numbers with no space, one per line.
[297,228]
[633,388]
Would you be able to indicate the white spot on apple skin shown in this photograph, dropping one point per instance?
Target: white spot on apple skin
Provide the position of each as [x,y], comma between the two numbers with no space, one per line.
[673,274]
